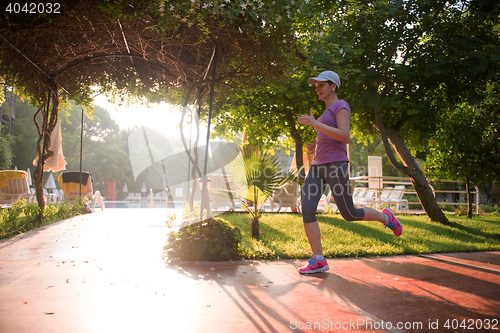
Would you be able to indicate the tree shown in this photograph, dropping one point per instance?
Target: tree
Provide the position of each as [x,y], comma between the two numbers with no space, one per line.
[362,146]
[401,63]
[5,152]
[268,114]
[6,139]
[104,153]
[138,46]
[466,146]
[256,175]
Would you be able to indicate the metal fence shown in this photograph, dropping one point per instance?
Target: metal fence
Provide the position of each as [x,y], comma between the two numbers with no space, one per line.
[378,184]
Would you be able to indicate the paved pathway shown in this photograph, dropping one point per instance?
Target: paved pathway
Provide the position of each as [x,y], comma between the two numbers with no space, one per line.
[104,272]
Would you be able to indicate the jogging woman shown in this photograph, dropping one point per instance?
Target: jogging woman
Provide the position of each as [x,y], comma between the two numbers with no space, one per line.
[330,165]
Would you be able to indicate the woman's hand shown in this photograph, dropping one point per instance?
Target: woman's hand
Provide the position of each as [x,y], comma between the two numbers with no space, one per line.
[312,147]
[341,132]
[308,120]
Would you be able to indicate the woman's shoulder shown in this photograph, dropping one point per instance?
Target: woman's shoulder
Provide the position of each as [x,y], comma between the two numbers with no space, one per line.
[339,105]
[342,103]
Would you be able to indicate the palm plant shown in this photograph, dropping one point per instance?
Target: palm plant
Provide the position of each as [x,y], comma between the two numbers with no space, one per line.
[256,176]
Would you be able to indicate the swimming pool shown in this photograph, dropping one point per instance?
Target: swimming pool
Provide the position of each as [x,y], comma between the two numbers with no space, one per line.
[143,204]
[162,204]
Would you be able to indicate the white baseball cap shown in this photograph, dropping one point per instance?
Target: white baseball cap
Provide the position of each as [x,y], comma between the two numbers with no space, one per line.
[325,76]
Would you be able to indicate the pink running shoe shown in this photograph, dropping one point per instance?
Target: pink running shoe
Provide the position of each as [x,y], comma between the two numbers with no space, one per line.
[314,266]
[393,222]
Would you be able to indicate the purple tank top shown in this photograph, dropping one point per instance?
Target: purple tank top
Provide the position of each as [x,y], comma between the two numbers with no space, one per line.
[329,149]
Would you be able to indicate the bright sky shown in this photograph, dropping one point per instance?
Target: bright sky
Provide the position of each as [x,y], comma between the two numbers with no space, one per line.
[161,117]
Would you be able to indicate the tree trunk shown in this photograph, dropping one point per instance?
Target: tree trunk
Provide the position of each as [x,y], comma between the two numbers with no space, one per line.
[469,197]
[418,179]
[255,228]
[50,117]
[410,168]
[194,161]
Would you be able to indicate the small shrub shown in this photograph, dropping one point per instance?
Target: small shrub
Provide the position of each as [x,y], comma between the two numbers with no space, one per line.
[461,210]
[64,210]
[50,211]
[19,218]
[24,216]
[191,215]
[495,210]
[31,210]
[170,220]
[202,242]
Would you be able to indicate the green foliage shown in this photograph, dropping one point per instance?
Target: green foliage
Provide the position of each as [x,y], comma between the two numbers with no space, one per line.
[283,236]
[494,210]
[271,111]
[255,39]
[408,59]
[64,210]
[190,215]
[461,210]
[24,216]
[467,145]
[169,222]
[25,133]
[10,221]
[204,241]
[256,176]
[5,152]
[360,148]
[104,150]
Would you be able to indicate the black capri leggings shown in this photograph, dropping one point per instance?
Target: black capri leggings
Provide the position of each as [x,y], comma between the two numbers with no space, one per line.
[336,175]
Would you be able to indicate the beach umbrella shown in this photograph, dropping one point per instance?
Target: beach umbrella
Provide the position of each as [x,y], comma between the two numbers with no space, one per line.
[125,188]
[50,183]
[143,189]
[29,177]
[56,162]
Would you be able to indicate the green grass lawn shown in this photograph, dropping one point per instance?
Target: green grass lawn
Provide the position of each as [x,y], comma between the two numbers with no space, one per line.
[283,236]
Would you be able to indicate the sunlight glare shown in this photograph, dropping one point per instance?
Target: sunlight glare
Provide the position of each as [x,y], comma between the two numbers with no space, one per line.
[161,117]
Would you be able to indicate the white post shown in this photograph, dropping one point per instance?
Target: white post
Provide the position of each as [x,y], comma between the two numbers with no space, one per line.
[477,200]
[166,197]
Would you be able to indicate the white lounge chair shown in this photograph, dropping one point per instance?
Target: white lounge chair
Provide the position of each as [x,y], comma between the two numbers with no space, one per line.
[57,194]
[386,193]
[49,197]
[60,195]
[358,194]
[396,198]
[286,196]
[13,186]
[368,198]
[134,197]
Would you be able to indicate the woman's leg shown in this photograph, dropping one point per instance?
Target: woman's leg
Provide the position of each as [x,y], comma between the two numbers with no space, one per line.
[337,176]
[312,190]
[314,237]
[374,215]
